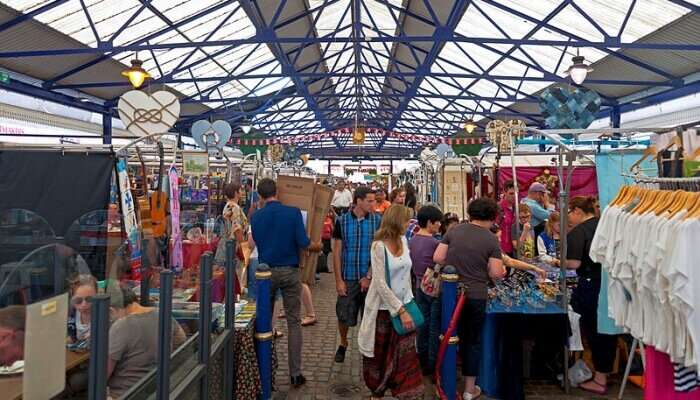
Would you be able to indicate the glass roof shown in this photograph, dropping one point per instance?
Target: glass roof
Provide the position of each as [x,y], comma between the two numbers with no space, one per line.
[434,86]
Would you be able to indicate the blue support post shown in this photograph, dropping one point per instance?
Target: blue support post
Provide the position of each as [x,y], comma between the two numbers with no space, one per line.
[205,321]
[107,128]
[99,347]
[230,360]
[448,369]
[263,329]
[165,327]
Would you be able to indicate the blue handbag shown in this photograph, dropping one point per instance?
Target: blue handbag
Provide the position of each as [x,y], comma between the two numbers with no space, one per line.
[411,307]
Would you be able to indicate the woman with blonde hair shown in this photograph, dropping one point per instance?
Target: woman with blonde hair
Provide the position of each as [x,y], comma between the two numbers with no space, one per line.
[390,360]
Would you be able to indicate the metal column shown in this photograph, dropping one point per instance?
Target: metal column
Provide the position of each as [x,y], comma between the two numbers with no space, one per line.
[205,322]
[164,335]
[106,128]
[263,329]
[448,371]
[229,357]
[99,345]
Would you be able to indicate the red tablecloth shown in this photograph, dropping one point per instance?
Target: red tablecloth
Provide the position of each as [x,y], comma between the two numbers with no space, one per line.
[191,252]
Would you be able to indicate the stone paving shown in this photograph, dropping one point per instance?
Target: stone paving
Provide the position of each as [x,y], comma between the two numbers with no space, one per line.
[330,380]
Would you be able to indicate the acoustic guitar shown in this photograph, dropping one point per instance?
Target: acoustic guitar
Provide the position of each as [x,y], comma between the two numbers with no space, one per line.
[144,202]
[159,199]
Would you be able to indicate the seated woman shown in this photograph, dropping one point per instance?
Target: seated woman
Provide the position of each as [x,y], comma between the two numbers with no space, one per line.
[133,341]
[82,289]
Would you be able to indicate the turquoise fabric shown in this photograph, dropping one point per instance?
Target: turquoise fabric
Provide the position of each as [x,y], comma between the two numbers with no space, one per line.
[609,167]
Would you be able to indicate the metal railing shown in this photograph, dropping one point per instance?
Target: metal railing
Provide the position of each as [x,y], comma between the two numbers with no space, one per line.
[181,373]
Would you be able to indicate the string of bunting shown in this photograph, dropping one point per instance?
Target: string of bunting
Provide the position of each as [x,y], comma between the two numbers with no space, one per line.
[407,137]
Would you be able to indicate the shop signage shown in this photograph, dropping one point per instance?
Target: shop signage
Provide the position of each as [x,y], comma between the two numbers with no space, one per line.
[146,114]
[4,77]
[211,136]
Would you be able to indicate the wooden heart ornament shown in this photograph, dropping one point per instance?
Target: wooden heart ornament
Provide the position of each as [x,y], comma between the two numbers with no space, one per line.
[146,114]
[564,109]
[212,136]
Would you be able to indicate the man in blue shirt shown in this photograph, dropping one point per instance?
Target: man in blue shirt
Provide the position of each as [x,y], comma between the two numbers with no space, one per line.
[535,200]
[353,236]
[279,234]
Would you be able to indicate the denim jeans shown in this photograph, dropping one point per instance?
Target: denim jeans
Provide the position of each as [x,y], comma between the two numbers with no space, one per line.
[429,332]
[252,282]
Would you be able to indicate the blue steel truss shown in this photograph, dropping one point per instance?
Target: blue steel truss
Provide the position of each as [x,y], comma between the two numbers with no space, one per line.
[296,67]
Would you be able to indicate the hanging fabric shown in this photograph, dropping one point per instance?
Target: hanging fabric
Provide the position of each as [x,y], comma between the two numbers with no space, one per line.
[131,226]
[176,257]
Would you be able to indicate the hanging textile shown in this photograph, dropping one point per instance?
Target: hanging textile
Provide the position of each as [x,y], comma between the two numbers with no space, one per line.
[583,179]
[60,187]
[131,226]
[609,169]
[176,259]
[659,378]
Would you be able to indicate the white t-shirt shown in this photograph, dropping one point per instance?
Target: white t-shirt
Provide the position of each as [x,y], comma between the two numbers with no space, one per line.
[342,199]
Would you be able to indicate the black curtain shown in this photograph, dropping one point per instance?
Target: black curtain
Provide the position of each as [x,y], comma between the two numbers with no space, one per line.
[60,187]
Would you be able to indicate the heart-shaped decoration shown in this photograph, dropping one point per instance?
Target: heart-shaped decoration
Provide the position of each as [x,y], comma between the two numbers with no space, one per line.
[145,114]
[212,136]
[564,109]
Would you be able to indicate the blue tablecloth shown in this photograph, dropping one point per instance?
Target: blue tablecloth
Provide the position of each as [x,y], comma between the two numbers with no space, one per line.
[500,372]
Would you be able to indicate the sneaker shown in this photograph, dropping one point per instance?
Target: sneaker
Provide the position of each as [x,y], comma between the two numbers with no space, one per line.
[340,354]
[297,381]
[472,396]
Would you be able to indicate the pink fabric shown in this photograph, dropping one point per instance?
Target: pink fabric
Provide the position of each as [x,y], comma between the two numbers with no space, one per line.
[583,180]
[506,222]
[658,378]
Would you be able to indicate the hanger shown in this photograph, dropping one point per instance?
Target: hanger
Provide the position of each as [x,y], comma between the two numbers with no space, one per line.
[668,198]
[648,199]
[694,211]
[695,155]
[676,141]
[649,151]
[620,195]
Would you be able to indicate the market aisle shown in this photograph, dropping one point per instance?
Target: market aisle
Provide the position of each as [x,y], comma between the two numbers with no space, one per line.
[328,380]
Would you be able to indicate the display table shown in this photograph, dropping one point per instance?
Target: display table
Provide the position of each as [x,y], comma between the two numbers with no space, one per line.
[11,386]
[505,328]
[247,371]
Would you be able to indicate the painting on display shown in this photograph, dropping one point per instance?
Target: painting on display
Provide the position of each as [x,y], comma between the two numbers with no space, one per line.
[195,163]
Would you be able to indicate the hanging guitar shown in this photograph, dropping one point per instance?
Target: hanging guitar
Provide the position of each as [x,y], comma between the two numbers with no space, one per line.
[158,199]
[143,201]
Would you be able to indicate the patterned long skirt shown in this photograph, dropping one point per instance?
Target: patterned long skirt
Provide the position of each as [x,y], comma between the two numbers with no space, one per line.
[395,365]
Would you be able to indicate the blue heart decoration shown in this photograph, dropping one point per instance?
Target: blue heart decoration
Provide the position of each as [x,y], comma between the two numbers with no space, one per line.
[211,135]
[564,109]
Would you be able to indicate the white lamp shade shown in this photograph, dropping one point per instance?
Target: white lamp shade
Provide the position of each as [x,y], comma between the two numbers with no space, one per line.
[246,128]
[578,74]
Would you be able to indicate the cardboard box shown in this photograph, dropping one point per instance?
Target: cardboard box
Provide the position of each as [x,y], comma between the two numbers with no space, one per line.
[314,200]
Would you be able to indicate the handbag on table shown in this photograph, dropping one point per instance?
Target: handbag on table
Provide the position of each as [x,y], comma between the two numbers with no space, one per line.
[411,307]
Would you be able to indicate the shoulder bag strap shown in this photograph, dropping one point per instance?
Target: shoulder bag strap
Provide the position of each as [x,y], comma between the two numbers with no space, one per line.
[386,266]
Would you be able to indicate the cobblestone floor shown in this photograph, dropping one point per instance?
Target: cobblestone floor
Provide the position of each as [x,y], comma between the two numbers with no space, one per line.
[330,380]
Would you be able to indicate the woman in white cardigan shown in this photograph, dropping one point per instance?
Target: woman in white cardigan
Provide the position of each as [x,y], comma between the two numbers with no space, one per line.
[390,361]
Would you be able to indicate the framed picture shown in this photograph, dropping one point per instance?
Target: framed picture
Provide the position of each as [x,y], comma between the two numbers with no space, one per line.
[195,163]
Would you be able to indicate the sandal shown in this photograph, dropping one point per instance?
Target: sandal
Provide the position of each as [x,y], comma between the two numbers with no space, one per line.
[601,392]
[308,320]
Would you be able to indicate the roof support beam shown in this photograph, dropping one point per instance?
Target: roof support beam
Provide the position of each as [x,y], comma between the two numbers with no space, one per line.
[610,46]
[321,75]
[253,12]
[31,14]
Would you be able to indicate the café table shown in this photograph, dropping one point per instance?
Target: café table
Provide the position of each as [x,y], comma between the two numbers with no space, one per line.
[11,385]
